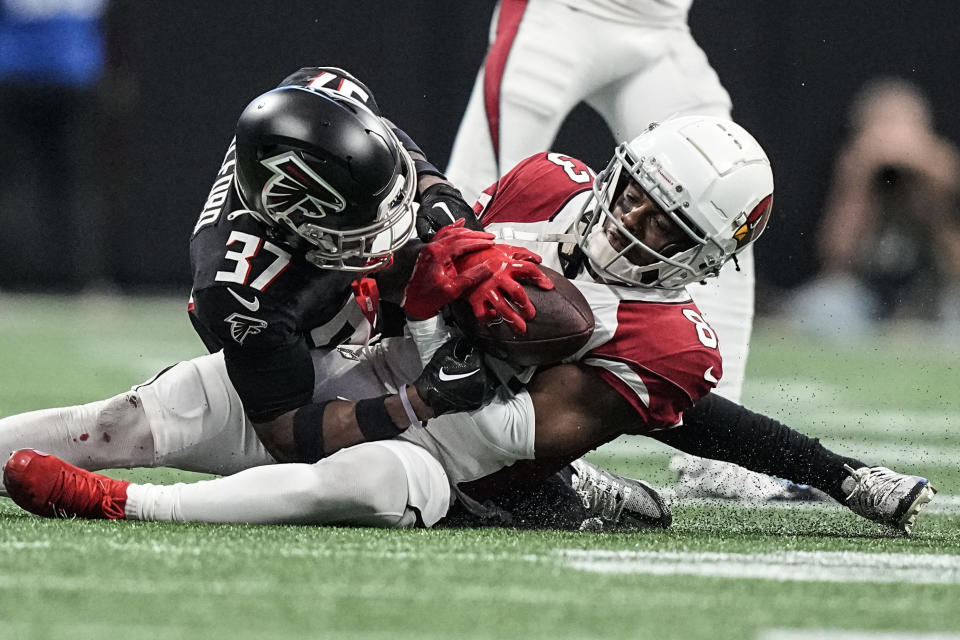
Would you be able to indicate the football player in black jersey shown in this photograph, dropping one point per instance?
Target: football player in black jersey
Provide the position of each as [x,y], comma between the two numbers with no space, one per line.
[312,209]
[309,219]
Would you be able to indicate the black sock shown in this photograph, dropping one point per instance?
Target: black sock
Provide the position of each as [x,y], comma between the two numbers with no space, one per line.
[719,429]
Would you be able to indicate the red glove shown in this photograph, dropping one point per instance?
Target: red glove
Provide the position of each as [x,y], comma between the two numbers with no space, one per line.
[436,281]
[501,295]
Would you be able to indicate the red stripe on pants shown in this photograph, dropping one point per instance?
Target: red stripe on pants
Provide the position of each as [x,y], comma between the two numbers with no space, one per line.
[511,12]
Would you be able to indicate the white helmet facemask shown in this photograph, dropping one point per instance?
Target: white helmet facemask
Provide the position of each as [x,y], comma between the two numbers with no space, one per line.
[709,176]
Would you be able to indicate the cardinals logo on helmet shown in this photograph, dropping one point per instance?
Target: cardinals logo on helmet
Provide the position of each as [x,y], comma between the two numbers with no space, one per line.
[242,327]
[296,192]
[756,222]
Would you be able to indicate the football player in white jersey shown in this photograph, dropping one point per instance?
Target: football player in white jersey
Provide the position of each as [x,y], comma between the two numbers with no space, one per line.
[634,62]
[671,208]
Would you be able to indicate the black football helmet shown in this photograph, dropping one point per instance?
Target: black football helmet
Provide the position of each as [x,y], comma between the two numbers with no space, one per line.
[327,177]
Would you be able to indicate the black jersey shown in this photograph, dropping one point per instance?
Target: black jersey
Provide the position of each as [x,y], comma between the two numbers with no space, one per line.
[263,305]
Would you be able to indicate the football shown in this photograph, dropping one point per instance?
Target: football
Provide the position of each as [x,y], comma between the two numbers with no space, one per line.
[562,326]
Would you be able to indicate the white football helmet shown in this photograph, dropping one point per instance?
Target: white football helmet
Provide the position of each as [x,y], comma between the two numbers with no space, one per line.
[712,179]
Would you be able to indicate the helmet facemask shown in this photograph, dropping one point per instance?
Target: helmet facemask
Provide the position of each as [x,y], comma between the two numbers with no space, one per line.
[670,268]
[371,247]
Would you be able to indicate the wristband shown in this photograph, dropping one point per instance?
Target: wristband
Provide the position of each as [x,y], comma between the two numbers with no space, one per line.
[426,168]
[374,420]
[406,141]
[411,414]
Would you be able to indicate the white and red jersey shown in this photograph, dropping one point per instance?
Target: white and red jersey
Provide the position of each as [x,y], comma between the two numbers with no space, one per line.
[652,345]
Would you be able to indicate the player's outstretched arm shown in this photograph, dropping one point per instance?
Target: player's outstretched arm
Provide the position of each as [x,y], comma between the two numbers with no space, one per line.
[719,429]
[576,411]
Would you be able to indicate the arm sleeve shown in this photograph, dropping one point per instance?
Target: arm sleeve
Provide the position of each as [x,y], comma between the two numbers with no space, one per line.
[719,429]
[268,359]
[423,166]
[270,383]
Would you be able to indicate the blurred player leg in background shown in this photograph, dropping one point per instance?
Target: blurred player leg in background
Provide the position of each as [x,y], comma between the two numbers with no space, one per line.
[547,56]
[634,65]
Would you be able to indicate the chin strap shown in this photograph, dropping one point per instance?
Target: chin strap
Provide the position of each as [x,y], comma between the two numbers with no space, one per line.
[571,256]
[572,261]
[509,233]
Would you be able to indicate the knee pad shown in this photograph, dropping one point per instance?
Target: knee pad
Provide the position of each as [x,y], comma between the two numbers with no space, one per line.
[197,419]
[364,485]
[391,479]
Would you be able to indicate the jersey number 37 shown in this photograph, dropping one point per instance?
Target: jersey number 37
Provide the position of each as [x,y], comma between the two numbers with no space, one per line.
[250,248]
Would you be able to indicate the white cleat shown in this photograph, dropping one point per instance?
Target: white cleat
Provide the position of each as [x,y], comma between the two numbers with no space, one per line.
[616,503]
[887,497]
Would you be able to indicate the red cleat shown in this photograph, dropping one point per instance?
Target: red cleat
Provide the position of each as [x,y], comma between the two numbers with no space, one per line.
[49,487]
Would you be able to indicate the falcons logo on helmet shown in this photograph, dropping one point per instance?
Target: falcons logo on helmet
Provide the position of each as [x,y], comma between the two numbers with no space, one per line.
[296,189]
[242,327]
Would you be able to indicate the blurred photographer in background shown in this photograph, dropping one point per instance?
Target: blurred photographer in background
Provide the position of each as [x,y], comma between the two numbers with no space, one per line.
[889,240]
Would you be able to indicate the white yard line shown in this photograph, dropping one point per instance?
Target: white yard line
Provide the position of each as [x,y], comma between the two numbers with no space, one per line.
[787,566]
[804,566]
[844,634]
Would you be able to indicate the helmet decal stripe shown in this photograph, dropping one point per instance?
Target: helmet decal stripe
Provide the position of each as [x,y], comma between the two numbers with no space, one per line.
[511,13]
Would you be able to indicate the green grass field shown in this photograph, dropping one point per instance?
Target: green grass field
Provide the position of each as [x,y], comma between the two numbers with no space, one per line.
[722,571]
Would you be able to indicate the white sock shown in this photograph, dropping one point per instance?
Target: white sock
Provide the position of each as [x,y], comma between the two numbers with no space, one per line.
[368,487]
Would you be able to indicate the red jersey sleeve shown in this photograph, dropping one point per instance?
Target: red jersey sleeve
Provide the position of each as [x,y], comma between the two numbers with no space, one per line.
[663,357]
[535,190]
